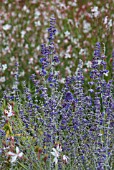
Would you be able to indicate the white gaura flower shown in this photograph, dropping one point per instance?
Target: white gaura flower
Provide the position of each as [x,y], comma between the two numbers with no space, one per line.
[4,66]
[37,14]
[67,55]
[37,23]
[86,26]
[67,33]
[56,153]
[68,70]
[62,80]
[106,20]
[14,156]
[9,112]
[110,23]
[89,64]
[95,11]
[6,27]
[65,158]
[82,51]
[12,59]
[2,79]
[25,9]
[23,33]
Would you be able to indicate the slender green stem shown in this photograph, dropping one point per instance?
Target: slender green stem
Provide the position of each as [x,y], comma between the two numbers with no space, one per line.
[22,165]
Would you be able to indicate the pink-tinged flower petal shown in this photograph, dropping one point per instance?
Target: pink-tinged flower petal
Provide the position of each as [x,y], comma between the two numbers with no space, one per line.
[10,107]
[13,113]
[20,154]
[6,112]
[65,158]
[13,158]
[11,154]
[17,150]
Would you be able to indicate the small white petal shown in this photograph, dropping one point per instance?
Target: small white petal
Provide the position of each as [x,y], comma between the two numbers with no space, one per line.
[6,111]
[4,66]
[59,148]
[55,160]
[10,154]
[56,152]
[6,27]
[2,79]
[20,154]
[65,158]
[10,114]
[54,149]
[53,153]
[9,107]
[17,150]
[13,158]
[6,148]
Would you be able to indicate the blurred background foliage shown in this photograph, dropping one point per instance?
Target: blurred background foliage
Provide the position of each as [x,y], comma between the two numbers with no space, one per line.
[80,24]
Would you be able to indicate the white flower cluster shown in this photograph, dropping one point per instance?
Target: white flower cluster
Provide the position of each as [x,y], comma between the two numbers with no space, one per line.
[14,156]
[56,153]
